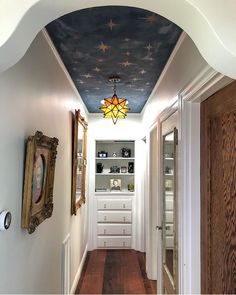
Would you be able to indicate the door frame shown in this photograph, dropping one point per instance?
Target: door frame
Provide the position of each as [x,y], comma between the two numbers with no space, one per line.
[203,86]
[188,103]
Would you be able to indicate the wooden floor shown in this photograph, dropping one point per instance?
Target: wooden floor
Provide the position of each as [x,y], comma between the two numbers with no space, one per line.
[115,272]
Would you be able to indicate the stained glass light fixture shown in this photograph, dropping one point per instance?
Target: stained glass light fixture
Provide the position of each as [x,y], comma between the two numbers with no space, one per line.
[114,107]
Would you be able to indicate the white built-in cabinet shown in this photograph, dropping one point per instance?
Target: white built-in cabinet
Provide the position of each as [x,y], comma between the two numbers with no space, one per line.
[114,205]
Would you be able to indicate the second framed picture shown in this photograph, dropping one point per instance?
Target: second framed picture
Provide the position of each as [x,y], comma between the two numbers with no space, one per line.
[115,184]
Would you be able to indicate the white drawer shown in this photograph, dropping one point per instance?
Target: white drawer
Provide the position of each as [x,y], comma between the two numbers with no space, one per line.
[169,216]
[170,242]
[114,229]
[114,204]
[169,229]
[114,216]
[114,242]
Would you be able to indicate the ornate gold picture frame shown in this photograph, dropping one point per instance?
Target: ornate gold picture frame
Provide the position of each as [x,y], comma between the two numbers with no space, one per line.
[79,162]
[38,180]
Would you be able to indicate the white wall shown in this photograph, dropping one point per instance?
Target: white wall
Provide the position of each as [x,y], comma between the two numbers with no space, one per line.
[36,95]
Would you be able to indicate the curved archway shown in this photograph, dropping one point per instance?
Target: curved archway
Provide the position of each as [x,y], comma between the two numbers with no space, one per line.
[196,17]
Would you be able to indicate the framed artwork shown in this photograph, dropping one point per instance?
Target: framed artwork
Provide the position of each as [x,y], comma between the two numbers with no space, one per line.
[79,162]
[38,180]
[115,184]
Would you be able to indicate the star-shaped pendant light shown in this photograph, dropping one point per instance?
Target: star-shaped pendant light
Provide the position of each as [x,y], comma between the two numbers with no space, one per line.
[114,107]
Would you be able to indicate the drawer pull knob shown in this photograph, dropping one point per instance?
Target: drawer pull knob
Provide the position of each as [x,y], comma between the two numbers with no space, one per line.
[105,244]
[124,218]
[105,231]
[123,206]
[123,231]
[105,205]
[105,218]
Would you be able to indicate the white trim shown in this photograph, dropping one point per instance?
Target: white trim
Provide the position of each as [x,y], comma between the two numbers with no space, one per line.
[66,265]
[204,85]
[207,82]
[163,73]
[63,67]
[79,271]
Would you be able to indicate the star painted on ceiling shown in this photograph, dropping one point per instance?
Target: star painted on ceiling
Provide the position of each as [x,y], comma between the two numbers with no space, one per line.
[97,88]
[111,24]
[126,64]
[126,39]
[143,72]
[100,60]
[97,69]
[81,82]
[87,76]
[103,47]
[127,53]
[151,18]
[135,79]
[148,47]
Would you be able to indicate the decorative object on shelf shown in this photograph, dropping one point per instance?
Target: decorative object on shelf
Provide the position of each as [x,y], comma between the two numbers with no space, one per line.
[38,180]
[79,162]
[124,169]
[102,189]
[168,184]
[102,154]
[131,167]
[114,155]
[114,107]
[115,184]
[131,187]
[167,170]
[100,167]
[126,153]
[115,169]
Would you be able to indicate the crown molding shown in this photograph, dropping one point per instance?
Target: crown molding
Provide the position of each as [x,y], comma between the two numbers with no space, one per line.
[163,73]
[207,82]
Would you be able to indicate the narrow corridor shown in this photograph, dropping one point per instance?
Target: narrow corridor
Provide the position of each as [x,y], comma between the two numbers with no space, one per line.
[115,272]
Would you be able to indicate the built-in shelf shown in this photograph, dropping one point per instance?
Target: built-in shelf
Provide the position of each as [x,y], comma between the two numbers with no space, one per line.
[114,193]
[114,158]
[107,174]
[170,159]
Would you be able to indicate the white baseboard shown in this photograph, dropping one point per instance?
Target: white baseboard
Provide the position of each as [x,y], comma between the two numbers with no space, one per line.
[78,274]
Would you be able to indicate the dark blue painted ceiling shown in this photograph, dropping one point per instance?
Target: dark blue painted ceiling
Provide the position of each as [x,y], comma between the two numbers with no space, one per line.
[99,42]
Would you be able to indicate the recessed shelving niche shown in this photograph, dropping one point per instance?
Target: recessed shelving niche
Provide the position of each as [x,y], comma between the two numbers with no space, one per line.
[115,173]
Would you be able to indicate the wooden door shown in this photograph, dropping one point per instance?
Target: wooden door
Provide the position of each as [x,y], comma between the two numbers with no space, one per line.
[218,192]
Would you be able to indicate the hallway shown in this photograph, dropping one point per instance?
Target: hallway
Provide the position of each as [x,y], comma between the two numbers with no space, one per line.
[115,272]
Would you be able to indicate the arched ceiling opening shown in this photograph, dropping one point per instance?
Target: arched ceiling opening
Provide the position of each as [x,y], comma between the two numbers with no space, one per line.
[133,43]
[209,23]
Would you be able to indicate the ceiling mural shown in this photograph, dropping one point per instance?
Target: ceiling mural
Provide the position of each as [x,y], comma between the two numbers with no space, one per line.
[97,43]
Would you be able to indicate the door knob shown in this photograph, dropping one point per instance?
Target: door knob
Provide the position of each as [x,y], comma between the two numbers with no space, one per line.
[159,227]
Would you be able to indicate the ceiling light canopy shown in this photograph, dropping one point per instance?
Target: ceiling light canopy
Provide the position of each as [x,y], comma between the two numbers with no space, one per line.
[114,107]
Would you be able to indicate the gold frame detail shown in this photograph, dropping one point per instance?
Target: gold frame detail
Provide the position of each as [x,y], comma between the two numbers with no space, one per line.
[78,120]
[35,212]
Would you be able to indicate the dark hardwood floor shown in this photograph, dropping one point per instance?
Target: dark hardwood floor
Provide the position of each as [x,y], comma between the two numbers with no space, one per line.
[115,272]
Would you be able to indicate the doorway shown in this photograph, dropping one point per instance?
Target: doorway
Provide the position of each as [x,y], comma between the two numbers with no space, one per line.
[169,205]
[218,192]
